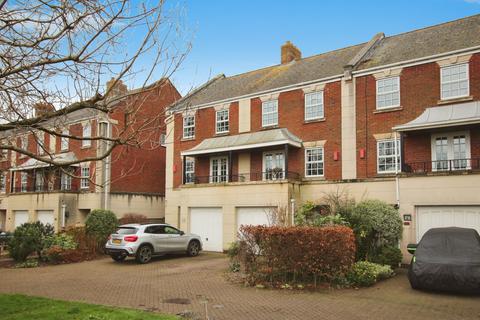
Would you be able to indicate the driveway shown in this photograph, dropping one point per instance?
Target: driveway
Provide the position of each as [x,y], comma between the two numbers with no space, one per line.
[191,285]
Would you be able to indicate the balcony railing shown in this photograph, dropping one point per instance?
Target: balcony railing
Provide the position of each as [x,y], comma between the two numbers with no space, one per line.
[442,165]
[45,188]
[244,177]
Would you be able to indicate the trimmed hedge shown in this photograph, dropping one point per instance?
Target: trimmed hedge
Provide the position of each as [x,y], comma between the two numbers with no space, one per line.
[292,253]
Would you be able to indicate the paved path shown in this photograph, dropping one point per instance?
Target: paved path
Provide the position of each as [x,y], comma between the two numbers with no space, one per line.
[194,280]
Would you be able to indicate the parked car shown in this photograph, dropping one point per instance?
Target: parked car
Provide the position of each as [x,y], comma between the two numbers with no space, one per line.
[446,259]
[143,241]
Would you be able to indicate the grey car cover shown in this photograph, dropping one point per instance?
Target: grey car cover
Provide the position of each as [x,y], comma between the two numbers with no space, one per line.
[447,259]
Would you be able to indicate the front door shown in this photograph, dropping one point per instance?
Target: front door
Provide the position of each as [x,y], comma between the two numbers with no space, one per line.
[274,165]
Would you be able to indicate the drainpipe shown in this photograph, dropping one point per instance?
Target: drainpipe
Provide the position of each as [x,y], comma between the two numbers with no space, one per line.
[397,179]
[64,218]
[292,209]
[107,168]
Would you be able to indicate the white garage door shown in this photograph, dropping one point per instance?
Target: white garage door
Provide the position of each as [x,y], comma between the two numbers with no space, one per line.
[254,216]
[21,217]
[447,216]
[45,216]
[208,224]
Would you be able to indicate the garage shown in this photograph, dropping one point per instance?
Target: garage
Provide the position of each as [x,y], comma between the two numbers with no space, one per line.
[253,216]
[447,216]
[45,217]
[208,224]
[21,217]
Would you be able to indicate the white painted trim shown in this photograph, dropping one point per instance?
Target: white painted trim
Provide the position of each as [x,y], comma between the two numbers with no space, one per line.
[263,113]
[322,116]
[323,162]
[376,93]
[183,126]
[395,143]
[264,168]
[216,121]
[449,136]
[436,125]
[219,175]
[468,81]
[418,61]
[242,147]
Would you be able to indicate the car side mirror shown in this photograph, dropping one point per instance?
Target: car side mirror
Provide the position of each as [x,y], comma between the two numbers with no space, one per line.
[411,248]
[182,233]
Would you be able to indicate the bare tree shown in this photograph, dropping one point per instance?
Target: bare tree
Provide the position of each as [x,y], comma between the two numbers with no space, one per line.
[55,56]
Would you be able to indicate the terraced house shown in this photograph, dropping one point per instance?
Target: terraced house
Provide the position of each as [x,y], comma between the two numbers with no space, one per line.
[396,118]
[130,180]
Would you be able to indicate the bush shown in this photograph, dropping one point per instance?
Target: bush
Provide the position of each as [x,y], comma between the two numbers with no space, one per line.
[133,218]
[388,255]
[100,224]
[31,263]
[56,245]
[283,253]
[310,214]
[365,274]
[376,224]
[29,238]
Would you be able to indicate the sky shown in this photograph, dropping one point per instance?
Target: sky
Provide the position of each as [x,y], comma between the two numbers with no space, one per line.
[233,37]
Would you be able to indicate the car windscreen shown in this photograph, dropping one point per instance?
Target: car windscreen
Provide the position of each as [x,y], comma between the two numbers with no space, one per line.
[126,230]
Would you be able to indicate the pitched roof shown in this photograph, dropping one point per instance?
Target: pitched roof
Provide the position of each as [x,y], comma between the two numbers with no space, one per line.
[438,39]
[446,37]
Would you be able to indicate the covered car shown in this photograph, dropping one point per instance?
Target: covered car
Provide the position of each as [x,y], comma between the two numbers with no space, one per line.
[446,259]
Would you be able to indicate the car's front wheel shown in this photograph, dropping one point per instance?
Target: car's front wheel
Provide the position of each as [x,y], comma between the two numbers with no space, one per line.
[118,257]
[193,248]
[144,254]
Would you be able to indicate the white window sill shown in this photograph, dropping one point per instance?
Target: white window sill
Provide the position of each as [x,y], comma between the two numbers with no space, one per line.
[314,120]
[188,138]
[454,99]
[389,109]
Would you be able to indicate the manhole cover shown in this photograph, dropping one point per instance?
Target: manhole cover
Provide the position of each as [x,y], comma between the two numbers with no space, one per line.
[177,301]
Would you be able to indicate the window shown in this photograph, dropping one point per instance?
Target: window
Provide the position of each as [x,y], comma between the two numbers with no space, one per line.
[4,154]
[23,182]
[40,142]
[218,169]
[87,133]
[64,140]
[451,151]
[454,81]
[39,181]
[65,181]
[85,174]
[273,165]
[189,127]
[270,113]
[388,93]
[314,105]
[189,170]
[222,121]
[3,182]
[314,162]
[170,230]
[386,160]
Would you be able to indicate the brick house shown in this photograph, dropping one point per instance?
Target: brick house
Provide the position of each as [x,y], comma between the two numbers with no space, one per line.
[130,180]
[396,118]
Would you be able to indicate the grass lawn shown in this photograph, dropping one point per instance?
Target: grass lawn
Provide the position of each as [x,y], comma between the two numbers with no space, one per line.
[13,307]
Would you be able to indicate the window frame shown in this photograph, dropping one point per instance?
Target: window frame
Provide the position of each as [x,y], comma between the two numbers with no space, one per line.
[377,94]
[322,162]
[23,181]
[399,155]
[450,152]
[84,179]
[264,104]
[39,181]
[190,127]
[442,81]
[87,143]
[219,175]
[220,122]
[65,182]
[192,172]
[266,176]
[3,182]
[64,140]
[40,137]
[305,105]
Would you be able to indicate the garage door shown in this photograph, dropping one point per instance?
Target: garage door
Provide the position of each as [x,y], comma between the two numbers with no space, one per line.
[253,216]
[447,216]
[208,224]
[45,217]
[20,216]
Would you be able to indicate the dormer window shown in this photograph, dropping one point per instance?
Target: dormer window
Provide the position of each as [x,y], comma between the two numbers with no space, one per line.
[454,81]
[222,121]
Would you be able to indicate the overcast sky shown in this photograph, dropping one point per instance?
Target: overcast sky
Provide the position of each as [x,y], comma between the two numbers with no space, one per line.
[233,37]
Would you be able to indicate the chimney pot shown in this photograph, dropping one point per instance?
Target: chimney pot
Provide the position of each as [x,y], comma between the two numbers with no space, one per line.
[290,52]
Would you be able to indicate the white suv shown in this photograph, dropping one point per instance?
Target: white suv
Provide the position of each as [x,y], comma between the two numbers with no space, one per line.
[143,241]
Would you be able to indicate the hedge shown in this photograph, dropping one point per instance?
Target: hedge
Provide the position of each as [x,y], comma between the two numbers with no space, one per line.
[291,253]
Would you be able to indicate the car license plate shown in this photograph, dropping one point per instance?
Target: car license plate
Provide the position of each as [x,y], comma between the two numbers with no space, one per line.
[117,241]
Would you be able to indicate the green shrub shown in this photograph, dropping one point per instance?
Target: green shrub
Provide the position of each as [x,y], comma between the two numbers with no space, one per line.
[100,224]
[56,245]
[310,214]
[388,255]
[30,263]
[376,224]
[29,238]
[365,274]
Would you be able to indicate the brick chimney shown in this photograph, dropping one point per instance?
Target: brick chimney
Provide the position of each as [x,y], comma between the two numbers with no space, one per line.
[42,108]
[290,53]
[120,88]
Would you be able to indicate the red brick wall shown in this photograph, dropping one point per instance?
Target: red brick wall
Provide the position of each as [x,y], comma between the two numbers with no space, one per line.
[419,89]
[291,116]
